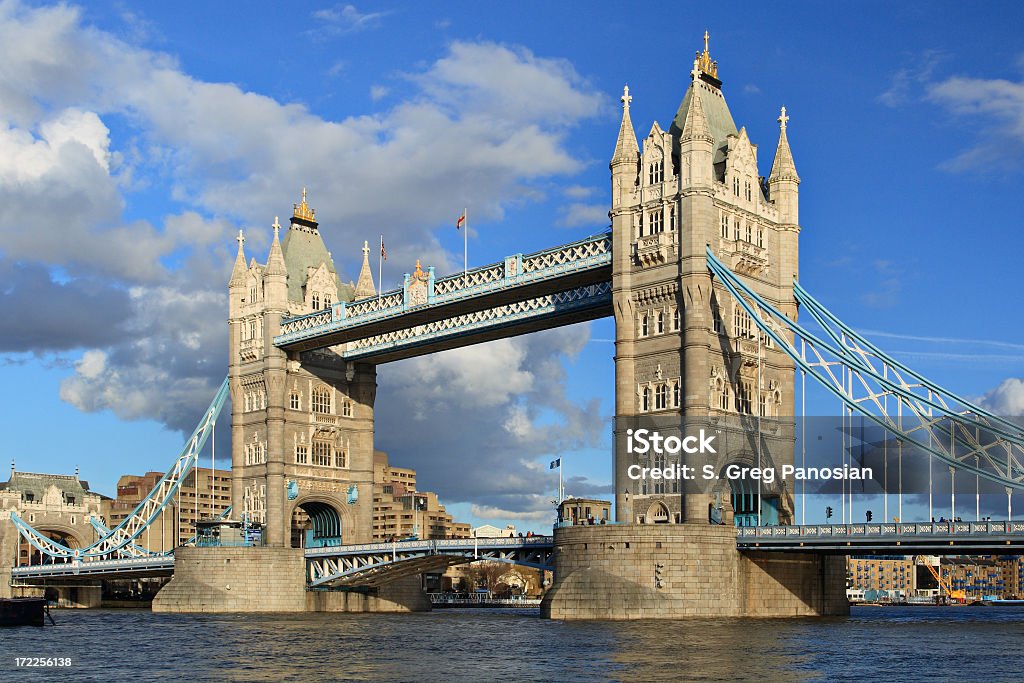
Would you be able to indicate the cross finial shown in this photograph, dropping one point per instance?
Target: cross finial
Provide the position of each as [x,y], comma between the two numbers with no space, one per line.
[783,119]
[276,226]
[303,195]
[626,97]
[366,248]
[240,239]
[695,74]
[706,36]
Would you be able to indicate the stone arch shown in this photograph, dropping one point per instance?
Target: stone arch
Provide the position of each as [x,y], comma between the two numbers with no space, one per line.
[658,513]
[62,533]
[318,519]
[748,497]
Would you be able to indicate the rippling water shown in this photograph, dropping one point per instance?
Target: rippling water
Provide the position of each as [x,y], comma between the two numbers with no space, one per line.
[891,643]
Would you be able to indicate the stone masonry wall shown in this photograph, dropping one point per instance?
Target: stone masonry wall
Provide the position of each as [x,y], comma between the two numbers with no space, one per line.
[683,570]
[269,580]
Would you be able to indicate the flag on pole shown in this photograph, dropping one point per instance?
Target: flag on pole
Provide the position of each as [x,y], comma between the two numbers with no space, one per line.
[555,464]
[383,251]
[462,219]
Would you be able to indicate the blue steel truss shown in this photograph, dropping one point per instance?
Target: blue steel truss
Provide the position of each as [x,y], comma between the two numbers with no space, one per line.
[374,564]
[864,378]
[516,279]
[121,538]
[133,550]
[577,300]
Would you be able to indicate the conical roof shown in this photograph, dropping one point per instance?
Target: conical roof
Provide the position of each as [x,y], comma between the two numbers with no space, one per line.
[364,285]
[238,272]
[275,262]
[783,167]
[626,148]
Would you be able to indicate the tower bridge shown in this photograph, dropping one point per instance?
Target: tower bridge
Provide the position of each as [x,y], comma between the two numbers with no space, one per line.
[700,273]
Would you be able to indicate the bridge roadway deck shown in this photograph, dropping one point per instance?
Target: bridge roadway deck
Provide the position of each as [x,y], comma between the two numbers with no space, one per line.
[133,567]
[374,564]
[890,538]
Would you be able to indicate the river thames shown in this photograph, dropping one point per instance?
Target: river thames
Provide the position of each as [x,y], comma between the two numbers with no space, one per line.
[876,643]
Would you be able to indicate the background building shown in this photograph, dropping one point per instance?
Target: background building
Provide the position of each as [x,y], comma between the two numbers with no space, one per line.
[59,507]
[176,523]
[400,511]
[585,510]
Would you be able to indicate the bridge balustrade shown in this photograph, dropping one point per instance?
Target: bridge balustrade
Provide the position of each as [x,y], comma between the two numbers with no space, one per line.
[513,271]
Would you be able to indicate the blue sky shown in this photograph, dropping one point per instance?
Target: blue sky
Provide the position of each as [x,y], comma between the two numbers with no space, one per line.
[136,141]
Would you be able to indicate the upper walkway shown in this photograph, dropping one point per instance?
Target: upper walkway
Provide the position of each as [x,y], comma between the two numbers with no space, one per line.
[522,293]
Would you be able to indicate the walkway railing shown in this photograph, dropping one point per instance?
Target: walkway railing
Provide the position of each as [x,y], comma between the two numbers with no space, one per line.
[514,271]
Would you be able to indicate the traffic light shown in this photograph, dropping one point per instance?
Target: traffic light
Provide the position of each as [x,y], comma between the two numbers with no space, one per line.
[828,512]
[868,515]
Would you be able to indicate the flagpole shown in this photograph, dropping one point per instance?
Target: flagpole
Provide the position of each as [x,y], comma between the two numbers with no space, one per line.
[380,268]
[465,247]
[561,492]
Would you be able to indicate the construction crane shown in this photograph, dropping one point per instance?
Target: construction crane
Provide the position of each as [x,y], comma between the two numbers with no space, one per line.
[957,595]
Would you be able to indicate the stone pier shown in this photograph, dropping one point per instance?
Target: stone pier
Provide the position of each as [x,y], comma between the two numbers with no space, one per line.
[648,571]
[269,580]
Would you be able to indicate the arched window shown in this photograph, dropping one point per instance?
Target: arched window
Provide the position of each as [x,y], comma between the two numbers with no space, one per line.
[656,171]
[760,237]
[749,240]
[316,301]
[346,408]
[645,404]
[676,320]
[672,219]
[735,228]
[644,325]
[327,300]
[322,400]
[657,224]
[676,395]
[293,401]
[341,457]
[725,226]
[322,453]
[661,322]
[661,398]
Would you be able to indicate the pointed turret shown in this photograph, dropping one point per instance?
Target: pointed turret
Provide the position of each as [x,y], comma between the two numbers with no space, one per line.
[275,276]
[783,183]
[783,167]
[238,272]
[275,261]
[695,125]
[364,286]
[626,148]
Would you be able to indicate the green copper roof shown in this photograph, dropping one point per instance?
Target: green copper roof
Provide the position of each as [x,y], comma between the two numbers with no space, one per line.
[36,484]
[715,110]
[303,249]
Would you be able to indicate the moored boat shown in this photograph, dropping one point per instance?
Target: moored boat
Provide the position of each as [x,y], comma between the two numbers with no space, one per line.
[22,611]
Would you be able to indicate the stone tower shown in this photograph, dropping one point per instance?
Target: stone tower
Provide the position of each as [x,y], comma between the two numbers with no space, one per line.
[301,423]
[685,352]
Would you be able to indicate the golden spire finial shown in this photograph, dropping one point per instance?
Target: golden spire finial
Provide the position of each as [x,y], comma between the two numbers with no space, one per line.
[303,211]
[419,269]
[704,61]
